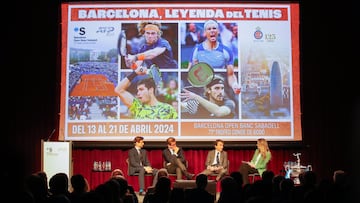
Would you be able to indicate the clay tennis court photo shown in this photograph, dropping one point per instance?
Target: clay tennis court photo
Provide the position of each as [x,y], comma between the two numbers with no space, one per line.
[93,85]
[91,91]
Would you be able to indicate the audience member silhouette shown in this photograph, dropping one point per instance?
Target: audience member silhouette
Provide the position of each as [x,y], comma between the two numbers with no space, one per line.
[199,194]
[79,188]
[307,184]
[236,175]
[110,191]
[286,189]
[228,192]
[177,195]
[59,188]
[127,194]
[344,187]
[129,191]
[273,189]
[44,176]
[35,189]
[161,173]
[161,193]
[267,183]
[276,186]
[117,173]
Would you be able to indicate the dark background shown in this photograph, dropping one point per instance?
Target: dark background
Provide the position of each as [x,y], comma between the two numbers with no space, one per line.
[329,84]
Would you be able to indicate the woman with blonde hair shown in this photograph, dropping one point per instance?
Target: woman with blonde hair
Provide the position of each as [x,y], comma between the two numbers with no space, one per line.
[259,161]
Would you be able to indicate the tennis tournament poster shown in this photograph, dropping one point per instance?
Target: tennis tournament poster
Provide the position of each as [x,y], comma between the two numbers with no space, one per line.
[264,42]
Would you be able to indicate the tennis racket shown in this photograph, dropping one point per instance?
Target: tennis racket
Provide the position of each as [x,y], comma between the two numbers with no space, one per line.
[200,74]
[191,106]
[122,47]
[122,44]
[154,72]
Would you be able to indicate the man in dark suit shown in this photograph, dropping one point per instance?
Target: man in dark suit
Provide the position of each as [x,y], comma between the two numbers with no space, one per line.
[139,163]
[217,161]
[175,161]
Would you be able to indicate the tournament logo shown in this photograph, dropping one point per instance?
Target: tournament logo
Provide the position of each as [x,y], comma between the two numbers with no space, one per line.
[258,34]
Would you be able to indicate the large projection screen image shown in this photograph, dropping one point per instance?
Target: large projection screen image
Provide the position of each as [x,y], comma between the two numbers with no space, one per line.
[194,71]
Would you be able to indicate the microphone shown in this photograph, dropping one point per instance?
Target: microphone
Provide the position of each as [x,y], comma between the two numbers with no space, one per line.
[51,134]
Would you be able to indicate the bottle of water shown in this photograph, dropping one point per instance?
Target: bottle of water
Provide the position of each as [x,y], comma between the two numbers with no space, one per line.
[96,166]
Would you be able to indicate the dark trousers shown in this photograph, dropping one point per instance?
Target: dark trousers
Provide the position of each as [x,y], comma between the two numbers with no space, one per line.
[177,167]
[245,170]
[141,176]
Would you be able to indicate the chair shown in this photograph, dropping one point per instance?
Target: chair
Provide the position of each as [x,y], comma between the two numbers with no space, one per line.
[253,176]
[174,174]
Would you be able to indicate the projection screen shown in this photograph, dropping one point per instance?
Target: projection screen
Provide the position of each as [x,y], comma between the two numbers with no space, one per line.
[254,44]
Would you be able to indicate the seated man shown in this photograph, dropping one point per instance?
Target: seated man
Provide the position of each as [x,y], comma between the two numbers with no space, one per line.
[175,160]
[217,161]
[139,163]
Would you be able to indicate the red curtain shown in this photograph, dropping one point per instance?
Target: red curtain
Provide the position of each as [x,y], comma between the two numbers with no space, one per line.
[83,160]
